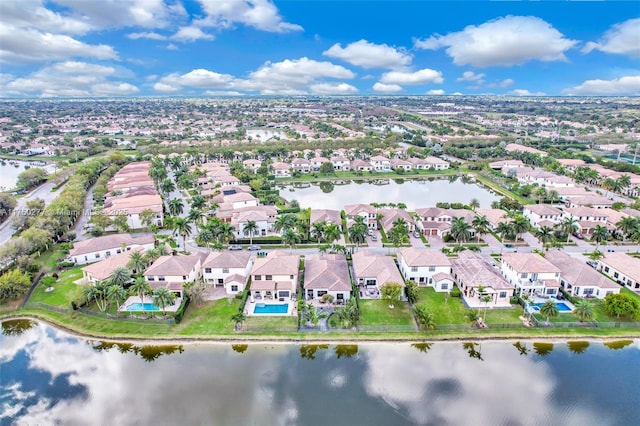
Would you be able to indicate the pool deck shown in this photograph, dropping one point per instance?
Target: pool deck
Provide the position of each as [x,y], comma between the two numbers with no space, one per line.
[251,305]
[566,302]
[136,299]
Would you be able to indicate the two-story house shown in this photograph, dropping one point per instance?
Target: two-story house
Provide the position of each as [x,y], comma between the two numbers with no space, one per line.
[301,165]
[542,215]
[373,271]
[327,274]
[99,248]
[578,279]
[275,276]
[367,211]
[531,274]
[477,278]
[341,163]
[228,269]
[380,163]
[172,272]
[587,218]
[426,268]
[623,268]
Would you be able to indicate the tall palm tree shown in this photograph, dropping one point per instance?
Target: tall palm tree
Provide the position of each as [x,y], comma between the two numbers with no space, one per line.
[284,222]
[198,202]
[116,294]
[358,233]
[553,196]
[520,226]
[250,229]
[176,206]
[137,262]
[163,298]
[609,184]
[225,233]
[182,227]
[584,311]
[545,235]
[332,232]
[481,225]
[600,233]
[504,230]
[206,237]
[238,318]
[474,204]
[549,309]
[569,225]
[120,276]
[424,317]
[622,182]
[317,230]
[98,292]
[626,226]
[196,216]
[167,187]
[460,230]
[290,238]
[140,287]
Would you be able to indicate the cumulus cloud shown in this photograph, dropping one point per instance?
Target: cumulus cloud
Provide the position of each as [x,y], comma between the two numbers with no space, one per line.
[365,54]
[471,76]
[506,41]
[624,86]
[198,78]
[435,92]
[32,13]
[260,14]
[506,82]
[333,89]
[74,79]
[191,33]
[622,38]
[423,76]
[387,88]
[524,92]
[147,35]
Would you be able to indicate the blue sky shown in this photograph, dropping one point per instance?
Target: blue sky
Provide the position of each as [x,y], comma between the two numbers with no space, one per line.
[77,48]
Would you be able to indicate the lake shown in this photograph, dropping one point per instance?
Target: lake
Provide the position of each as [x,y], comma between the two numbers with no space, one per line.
[48,377]
[415,193]
[9,173]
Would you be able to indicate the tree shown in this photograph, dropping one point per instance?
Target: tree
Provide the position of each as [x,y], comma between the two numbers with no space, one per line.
[584,311]
[460,230]
[225,232]
[14,284]
[198,202]
[140,287]
[98,293]
[182,227]
[549,309]
[472,316]
[411,289]
[504,230]
[163,298]
[167,187]
[326,168]
[120,276]
[569,225]
[120,222]
[311,315]
[290,238]
[317,230]
[474,204]
[116,294]
[347,315]
[196,290]
[600,233]
[621,305]
[31,177]
[7,204]
[545,235]
[481,225]
[238,318]
[176,206]
[250,229]
[626,226]
[332,232]
[206,237]
[520,225]
[358,233]
[137,262]
[391,293]
[147,218]
[284,222]
[424,317]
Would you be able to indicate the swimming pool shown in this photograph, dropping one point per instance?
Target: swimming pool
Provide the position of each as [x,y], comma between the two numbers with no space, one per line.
[562,307]
[138,307]
[262,308]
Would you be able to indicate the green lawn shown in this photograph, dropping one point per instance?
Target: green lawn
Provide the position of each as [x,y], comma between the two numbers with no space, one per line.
[49,259]
[503,315]
[65,290]
[266,324]
[210,318]
[451,311]
[377,312]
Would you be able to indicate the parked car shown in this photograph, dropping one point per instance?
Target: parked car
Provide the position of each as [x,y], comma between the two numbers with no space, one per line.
[370,232]
[253,248]
[233,247]
[579,236]
[416,234]
[373,237]
[592,263]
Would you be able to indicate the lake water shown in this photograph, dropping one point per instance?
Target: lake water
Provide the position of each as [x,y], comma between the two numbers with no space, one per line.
[415,193]
[48,377]
[9,173]
[263,135]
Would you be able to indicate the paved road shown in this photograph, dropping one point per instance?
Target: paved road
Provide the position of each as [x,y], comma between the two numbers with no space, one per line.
[85,216]
[43,192]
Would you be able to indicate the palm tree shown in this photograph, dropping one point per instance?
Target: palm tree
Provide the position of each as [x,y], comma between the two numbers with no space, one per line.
[358,233]
[622,182]
[206,237]
[481,225]
[600,233]
[540,194]
[424,317]
[486,299]
[167,186]
[290,238]
[553,196]
[98,292]
[163,298]
[183,227]
[140,287]
[549,309]
[332,232]
[137,262]
[116,294]
[198,202]
[520,225]
[609,184]
[225,232]
[460,230]
[284,222]
[626,226]
[569,226]
[504,230]
[545,235]
[584,311]
[250,229]
[317,230]
[120,276]
[176,206]
[195,216]
[238,318]
[474,204]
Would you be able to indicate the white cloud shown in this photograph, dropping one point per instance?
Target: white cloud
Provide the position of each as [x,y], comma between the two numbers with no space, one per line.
[24,45]
[198,78]
[172,46]
[524,92]
[626,86]
[506,41]
[471,76]
[148,35]
[260,14]
[365,54]
[223,93]
[72,79]
[506,82]
[166,88]
[387,88]
[333,89]
[622,38]
[191,33]
[435,92]
[423,76]
[32,13]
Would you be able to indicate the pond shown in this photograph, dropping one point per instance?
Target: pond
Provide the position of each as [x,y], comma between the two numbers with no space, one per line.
[49,377]
[415,193]
[10,169]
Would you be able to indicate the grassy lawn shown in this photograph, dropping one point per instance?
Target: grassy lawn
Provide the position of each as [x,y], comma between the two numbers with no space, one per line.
[503,315]
[377,312]
[266,325]
[210,318]
[49,259]
[65,290]
[444,312]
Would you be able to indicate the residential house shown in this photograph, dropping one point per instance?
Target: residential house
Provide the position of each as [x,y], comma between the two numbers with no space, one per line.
[400,164]
[228,269]
[579,279]
[341,163]
[99,248]
[301,165]
[587,218]
[252,164]
[317,162]
[570,164]
[367,211]
[436,163]
[595,201]
[531,274]
[172,272]
[514,147]
[435,221]
[275,276]
[494,216]
[102,270]
[542,215]
[390,216]
[361,165]
[623,268]
[240,199]
[476,277]
[263,216]
[426,268]
[509,164]
[325,215]
[373,271]
[327,274]
[281,170]
[380,163]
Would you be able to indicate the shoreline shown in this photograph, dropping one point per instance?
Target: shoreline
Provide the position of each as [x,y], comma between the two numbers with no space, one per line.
[305,339]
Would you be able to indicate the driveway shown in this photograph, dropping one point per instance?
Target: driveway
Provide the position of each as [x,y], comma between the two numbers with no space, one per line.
[415,242]
[531,240]
[494,244]
[85,216]
[435,242]
[377,243]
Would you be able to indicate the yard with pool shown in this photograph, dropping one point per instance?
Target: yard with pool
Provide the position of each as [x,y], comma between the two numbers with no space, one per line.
[135,304]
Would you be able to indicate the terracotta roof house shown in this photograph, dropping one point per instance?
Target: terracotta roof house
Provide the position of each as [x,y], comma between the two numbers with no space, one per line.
[103,269]
[531,274]
[623,268]
[172,272]
[325,215]
[472,273]
[218,267]
[327,274]
[389,216]
[373,271]
[578,279]
[275,276]
[426,268]
[96,249]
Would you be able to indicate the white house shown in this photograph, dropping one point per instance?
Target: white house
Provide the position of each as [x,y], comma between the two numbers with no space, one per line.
[531,274]
[327,274]
[367,211]
[241,199]
[587,218]
[436,163]
[373,271]
[263,216]
[317,162]
[578,279]
[275,277]
[542,215]
[172,272]
[102,270]
[301,165]
[99,248]
[380,163]
[281,170]
[426,268]
[341,163]
[228,269]
[623,268]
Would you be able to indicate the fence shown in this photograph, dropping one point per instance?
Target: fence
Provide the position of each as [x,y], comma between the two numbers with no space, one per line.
[85,311]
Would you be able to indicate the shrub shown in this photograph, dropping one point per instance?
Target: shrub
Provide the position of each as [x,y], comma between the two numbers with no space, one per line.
[455,292]
[48,281]
[513,300]
[457,206]
[14,284]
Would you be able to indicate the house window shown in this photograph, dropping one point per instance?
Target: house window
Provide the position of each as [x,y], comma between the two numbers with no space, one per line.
[340,296]
[421,279]
[290,277]
[151,279]
[184,277]
[234,288]
[225,270]
[503,294]
[160,278]
[615,275]
[523,275]
[445,286]
[257,277]
[551,291]
[268,277]
[207,270]
[587,291]
[108,253]
[606,269]
[414,269]
[321,293]
[97,255]
[370,282]
[432,268]
[220,281]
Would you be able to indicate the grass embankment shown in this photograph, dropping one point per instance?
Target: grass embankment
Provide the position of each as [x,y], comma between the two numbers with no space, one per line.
[500,190]
[319,177]
[377,313]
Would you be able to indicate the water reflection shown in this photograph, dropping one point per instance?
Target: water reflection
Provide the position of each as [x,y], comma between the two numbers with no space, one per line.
[578,347]
[16,327]
[326,187]
[49,377]
[618,344]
